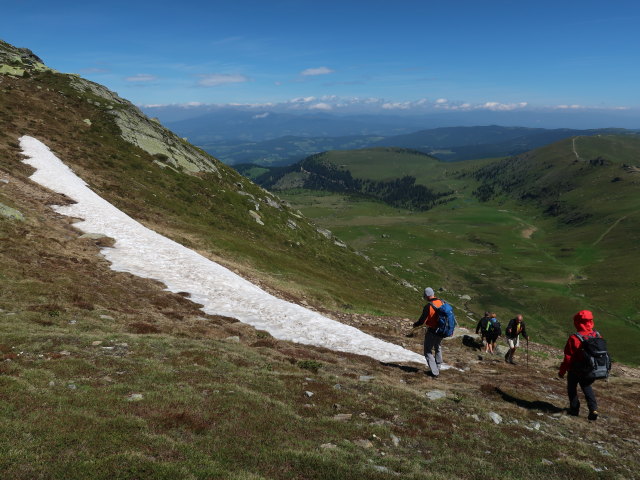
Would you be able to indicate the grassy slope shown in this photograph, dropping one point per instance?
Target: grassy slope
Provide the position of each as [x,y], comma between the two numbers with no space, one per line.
[505,254]
[78,340]
[205,212]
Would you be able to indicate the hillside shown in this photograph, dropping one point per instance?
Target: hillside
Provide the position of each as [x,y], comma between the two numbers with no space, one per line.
[109,375]
[536,233]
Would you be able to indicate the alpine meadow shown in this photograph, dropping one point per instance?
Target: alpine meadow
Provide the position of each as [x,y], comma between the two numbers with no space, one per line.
[276,312]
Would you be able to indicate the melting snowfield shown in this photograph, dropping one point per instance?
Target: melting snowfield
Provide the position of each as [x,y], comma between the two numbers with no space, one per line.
[147,254]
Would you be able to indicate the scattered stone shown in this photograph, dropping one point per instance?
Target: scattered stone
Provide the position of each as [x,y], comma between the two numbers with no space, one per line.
[342,417]
[497,419]
[536,425]
[233,339]
[292,225]
[337,386]
[339,243]
[106,317]
[328,446]
[381,468]
[72,386]
[256,216]
[10,213]
[363,443]
[272,203]
[366,378]
[4,180]
[309,394]
[436,395]
[324,232]
[87,121]
[465,297]
[72,322]
[52,383]
[96,343]
[135,397]
[395,440]
[475,417]
[65,353]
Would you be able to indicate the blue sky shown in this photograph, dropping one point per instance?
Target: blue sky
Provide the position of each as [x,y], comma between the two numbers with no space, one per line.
[403,55]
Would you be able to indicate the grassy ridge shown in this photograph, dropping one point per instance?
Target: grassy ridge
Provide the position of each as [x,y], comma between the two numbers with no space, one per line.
[545,243]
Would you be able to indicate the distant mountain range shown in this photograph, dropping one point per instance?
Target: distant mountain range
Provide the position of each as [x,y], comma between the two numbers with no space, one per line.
[446,143]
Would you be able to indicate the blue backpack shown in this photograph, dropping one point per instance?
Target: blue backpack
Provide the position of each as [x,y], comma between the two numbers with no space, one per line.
[446,319]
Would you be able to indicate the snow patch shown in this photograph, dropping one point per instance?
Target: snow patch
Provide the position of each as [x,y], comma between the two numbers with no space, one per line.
[145,253]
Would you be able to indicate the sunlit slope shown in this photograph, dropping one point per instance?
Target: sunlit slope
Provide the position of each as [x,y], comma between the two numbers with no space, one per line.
[545,233]
[179,190]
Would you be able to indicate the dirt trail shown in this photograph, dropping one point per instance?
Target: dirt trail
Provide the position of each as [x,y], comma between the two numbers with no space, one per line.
[608,230]
[575,152]
[529,231]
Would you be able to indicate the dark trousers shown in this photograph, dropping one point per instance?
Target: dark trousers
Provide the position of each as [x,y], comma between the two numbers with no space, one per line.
[432,351]
[573,380]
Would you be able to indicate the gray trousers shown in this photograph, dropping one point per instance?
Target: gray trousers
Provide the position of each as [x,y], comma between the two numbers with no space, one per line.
[432,351]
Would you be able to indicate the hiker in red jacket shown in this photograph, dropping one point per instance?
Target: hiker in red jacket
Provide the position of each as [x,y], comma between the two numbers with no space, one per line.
[573,363]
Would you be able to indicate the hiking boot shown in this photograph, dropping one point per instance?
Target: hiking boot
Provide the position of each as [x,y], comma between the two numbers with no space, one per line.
[506,357]
[593,415]
[574,412]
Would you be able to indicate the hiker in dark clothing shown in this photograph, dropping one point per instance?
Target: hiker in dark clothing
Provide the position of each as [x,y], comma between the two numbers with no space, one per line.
[481,329]
[494,330]
[574,362]
[429,318]
[514,329]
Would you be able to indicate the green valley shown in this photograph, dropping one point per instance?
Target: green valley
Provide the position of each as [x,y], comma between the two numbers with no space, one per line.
[544,233]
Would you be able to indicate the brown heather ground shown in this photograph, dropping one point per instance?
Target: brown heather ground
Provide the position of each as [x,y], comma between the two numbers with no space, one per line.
[105,375]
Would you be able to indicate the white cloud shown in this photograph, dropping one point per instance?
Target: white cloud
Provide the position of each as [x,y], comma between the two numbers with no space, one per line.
[316,71]
[569,107]
[501,107]
[321,106]
[217,79]
[441,101]
[396,105]
[302,100]
[261,115]
[141,78]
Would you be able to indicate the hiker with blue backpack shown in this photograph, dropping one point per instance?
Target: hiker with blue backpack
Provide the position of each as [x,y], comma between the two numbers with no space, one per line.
[587,360]
[493,332]
[438,317]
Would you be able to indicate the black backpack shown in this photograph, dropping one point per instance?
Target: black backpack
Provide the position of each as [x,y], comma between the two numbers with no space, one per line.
[596,363]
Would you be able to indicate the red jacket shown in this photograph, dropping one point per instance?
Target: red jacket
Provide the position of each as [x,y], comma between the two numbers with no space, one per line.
[573,355]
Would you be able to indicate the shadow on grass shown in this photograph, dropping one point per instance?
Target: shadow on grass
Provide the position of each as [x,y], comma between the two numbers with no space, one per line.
[535,405]
[404,368]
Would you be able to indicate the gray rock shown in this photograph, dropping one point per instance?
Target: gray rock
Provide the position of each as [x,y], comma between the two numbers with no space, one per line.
[256,216]
[475,417]
[135,397]
[465,297]
[292,225]
[395,440]
[272,203]
[436,395]
[342,417]
[308,394]
[546,462]
[10,213]
[233,339]
[328,446]
[366,378]
[324,232]
[339,243]
[497,419]
[363,443]
[106,317]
